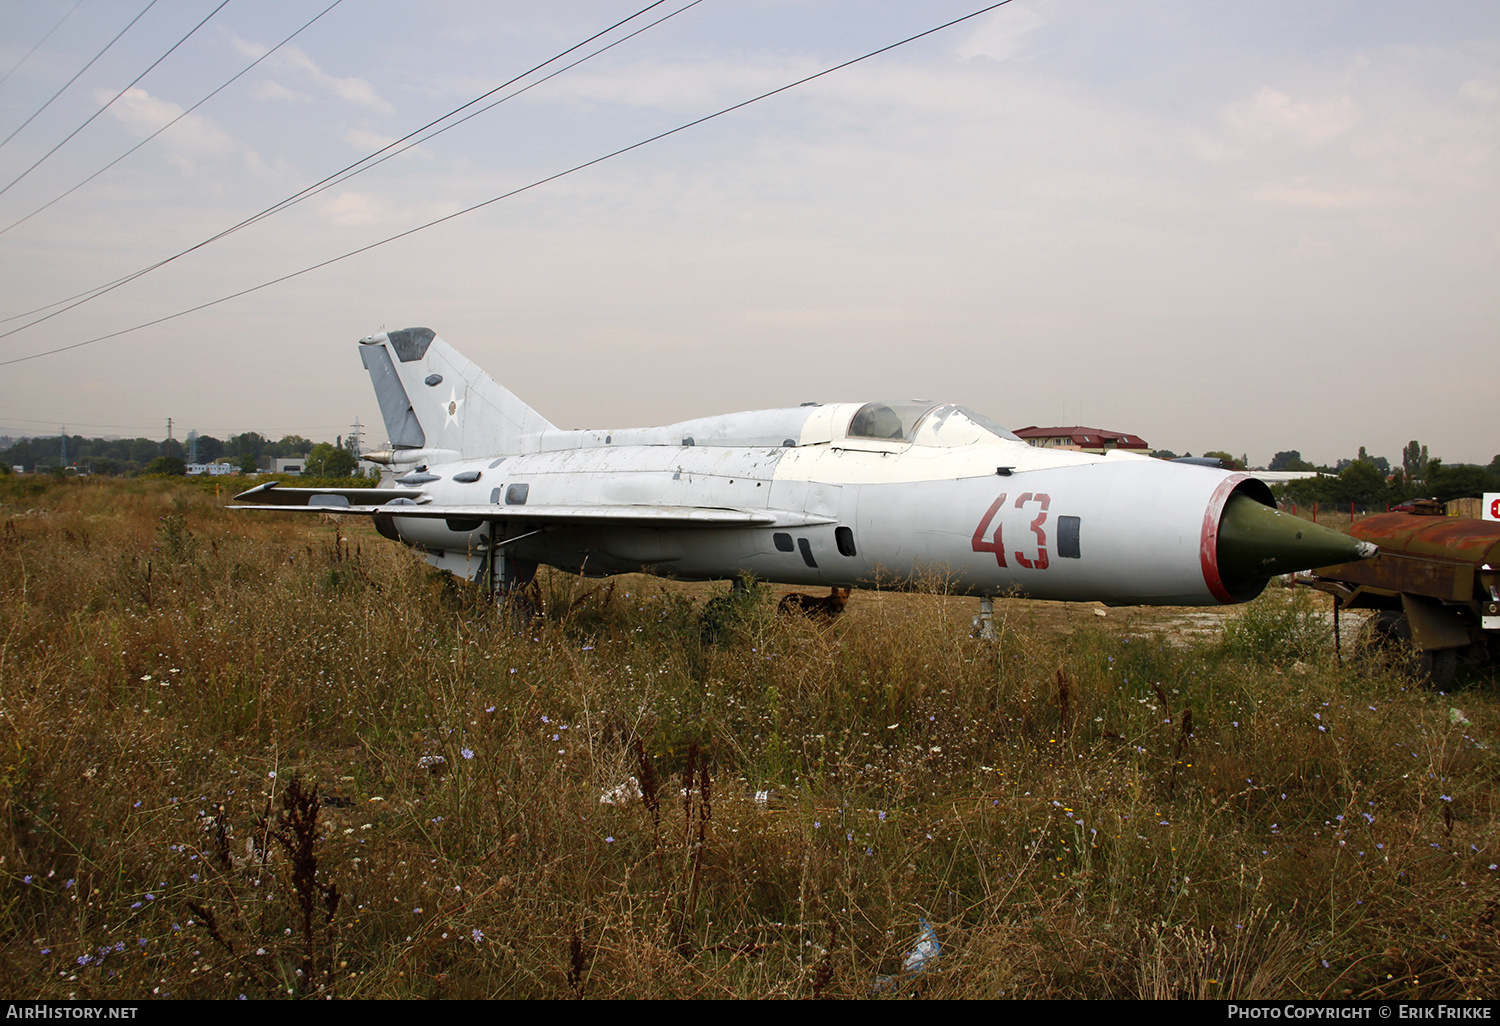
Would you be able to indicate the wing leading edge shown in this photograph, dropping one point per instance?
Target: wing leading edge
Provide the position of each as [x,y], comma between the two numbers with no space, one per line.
[404,503]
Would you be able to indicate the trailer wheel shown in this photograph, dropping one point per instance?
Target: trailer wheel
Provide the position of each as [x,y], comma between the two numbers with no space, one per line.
[1388,641]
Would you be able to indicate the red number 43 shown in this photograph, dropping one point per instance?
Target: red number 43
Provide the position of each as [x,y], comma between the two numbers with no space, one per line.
[997,546]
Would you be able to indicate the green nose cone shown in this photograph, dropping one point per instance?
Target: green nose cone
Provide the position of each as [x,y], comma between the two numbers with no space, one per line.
[1256,542]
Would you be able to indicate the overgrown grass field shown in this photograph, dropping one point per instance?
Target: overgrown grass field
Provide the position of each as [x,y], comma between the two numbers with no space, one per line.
[243,754]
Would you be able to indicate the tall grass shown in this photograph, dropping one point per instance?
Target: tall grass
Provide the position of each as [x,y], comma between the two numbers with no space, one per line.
[261,755]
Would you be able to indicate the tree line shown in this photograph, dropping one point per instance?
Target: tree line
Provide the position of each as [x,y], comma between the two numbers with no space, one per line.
[1373,482]
[125,457]
[1370,483]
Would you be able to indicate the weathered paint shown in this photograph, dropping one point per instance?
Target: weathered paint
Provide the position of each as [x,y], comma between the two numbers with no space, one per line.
[1445,558]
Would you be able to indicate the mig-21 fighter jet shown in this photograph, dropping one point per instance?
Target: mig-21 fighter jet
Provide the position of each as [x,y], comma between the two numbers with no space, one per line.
[891,493]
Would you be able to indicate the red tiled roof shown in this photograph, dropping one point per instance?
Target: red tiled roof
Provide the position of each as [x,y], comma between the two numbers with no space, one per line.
[1086,437]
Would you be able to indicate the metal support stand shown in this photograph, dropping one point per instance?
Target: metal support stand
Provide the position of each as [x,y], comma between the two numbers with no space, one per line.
[501,579]
[507,580]
[1338,653]
[738,586]
[984,623]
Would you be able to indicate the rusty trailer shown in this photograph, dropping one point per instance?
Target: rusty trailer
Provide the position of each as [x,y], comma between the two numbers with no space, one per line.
[1435,588]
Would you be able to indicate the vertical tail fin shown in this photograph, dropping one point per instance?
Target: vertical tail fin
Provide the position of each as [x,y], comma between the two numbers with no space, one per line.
[431,397]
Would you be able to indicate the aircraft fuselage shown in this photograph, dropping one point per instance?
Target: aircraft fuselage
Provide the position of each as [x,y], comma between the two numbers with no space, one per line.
[899,494]
[1119,529]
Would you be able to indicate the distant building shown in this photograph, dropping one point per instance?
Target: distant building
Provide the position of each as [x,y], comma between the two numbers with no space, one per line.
[212,469]
[1084,439]
[271,465]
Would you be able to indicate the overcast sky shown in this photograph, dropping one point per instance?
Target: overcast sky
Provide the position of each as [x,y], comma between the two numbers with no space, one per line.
[1250,227]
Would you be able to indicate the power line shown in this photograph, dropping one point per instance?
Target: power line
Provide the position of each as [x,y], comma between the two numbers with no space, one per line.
[17,66]
[78,299]
[344,177]
[38,420]
[505,195]
[242,72]
[81,70]
[211,431]
[122,92]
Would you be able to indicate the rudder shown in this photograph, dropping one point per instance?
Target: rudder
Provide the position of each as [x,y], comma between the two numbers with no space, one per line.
[433,397]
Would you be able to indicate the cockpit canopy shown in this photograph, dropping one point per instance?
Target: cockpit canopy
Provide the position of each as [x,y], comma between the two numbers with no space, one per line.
[922,422]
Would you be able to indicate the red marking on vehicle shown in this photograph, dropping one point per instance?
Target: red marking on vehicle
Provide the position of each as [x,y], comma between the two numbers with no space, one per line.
[997,546]
[1208,539]
[1495,510]
[1042,499]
